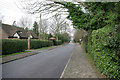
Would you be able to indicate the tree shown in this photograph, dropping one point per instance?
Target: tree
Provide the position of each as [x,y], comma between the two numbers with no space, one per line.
[35,28]
[64,37]
[14,23]
[94,16]
[58,25]
[45,7]
[44,29]
[1,18]
[25,22]
[79,34]
[50,35]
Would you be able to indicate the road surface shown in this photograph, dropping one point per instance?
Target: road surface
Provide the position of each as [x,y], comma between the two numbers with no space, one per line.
[47,64]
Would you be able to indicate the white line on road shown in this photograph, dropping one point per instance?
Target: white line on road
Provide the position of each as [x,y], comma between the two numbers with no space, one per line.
[66,66]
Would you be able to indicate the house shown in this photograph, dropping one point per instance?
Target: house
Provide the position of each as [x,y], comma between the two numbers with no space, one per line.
[13,32]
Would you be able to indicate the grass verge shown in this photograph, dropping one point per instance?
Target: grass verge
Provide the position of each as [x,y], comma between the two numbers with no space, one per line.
[13,54]
[25,51]
[91,61]
[44,48]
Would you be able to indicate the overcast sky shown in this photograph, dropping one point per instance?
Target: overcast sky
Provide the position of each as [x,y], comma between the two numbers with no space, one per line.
[9,12]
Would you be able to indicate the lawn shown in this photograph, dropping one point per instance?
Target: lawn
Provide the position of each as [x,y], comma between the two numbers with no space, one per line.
[26,51]
[14,54]
[44,48]
[91,61]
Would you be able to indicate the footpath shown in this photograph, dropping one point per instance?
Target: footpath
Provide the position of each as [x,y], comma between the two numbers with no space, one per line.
[78,66]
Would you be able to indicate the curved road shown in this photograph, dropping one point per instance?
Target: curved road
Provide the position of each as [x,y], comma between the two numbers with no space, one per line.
[47,64]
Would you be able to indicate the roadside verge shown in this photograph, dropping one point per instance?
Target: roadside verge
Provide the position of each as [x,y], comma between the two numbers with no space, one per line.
[26,54]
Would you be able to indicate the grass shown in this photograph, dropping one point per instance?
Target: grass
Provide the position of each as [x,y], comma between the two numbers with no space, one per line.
[14,54]
[91,61]
[25,51]
[43,48]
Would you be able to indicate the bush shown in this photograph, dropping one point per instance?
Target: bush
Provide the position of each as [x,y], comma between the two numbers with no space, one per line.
[64,37]
[59,42]
[0,47]
[39,43]
[104,46]
[12,46]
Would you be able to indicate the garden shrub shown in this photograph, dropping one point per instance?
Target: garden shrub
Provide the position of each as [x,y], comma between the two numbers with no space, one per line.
[0,47]
[11,46]
[104,46]
[59,42]
[40,43]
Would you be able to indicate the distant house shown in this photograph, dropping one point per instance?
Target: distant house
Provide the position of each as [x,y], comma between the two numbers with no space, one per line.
[12,32]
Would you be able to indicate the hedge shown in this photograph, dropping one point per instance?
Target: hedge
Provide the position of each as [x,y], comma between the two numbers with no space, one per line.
[39,43]
[12,46]
[104,46]
[59,42]
[0,47]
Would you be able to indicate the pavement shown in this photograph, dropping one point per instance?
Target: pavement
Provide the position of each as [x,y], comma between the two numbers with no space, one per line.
[46,64]
[78,66]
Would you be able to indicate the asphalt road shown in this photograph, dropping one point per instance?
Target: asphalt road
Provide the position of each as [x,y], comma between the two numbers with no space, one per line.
[47,64]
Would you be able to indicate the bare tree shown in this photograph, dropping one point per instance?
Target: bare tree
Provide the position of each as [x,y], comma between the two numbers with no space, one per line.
[1,17]
[25,22]
[58,25]
[44,7]
[66,27]
[44,29]
[79,34]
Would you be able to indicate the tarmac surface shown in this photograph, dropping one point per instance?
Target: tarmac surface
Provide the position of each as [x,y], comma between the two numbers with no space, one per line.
[46,64]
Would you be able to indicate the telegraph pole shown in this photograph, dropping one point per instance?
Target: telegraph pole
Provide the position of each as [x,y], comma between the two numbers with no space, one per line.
[40,25]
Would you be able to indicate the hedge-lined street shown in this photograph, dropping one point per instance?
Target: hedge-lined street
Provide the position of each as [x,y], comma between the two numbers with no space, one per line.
[10,46]
[27,53]
[92,24]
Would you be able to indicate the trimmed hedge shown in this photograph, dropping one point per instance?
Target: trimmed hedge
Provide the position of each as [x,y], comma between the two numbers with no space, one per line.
[106,51]
[104,46]
[39,43]
[59,42]
[11,46]
[0,47]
